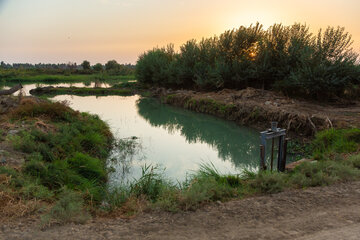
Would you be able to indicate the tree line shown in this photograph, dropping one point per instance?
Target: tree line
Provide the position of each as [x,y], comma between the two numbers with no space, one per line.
[112,67]
[290,59]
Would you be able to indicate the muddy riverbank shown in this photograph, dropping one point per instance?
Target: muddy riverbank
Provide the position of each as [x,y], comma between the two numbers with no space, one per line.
[256,108]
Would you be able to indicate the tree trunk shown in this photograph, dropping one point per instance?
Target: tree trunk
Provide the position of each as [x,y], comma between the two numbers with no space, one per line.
[11,90]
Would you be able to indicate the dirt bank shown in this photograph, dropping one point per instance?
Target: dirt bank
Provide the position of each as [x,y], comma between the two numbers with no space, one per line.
[256,108]
[316,213]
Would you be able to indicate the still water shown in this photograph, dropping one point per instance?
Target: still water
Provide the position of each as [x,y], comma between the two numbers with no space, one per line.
[174,139]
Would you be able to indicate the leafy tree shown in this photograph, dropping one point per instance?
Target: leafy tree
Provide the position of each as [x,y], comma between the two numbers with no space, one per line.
[112,65]
[86,65]
[98,67]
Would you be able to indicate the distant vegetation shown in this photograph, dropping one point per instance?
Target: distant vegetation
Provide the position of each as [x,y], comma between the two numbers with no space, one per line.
[286,58]
[70,72]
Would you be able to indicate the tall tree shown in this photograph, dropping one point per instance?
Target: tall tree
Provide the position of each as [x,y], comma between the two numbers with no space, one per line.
[85,65]
[112,65]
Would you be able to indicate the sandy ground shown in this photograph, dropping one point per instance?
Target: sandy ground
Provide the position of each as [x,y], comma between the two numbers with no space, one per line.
[316,213]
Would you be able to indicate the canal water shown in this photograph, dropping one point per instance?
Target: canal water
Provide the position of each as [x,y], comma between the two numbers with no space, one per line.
[174,140]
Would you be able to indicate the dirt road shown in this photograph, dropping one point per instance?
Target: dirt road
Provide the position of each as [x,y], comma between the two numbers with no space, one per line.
[317,213]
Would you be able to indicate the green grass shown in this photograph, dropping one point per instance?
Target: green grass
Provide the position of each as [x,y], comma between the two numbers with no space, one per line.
[330,142]
[58,78]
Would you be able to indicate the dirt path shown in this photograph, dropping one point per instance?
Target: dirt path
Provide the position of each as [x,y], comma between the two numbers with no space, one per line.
[317,213]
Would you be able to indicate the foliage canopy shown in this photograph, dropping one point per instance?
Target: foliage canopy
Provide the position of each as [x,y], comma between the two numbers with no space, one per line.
[287,58]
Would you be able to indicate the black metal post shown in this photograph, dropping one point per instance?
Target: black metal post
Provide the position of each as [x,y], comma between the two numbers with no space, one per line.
[280,152]
[262,157]
[283,162]
[272,154]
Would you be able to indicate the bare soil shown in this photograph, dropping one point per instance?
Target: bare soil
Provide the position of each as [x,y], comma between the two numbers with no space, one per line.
[255,107]
[316,213]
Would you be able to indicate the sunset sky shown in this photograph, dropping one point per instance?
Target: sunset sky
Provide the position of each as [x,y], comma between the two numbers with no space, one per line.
[57,31]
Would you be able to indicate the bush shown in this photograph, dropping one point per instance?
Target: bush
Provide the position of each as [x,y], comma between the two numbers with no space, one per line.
[335,141]
[355,161]
[88,167]
[322,173]
[37,191]
[267,182]
[204,189]
[69,208]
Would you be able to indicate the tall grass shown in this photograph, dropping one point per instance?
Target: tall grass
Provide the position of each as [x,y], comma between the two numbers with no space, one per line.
[287,58]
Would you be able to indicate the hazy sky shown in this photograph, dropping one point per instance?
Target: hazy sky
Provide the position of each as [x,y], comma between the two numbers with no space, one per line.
[98,30]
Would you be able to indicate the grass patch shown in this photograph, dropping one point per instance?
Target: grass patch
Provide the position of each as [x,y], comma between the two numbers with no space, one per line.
[69,208]
[81,91]
[63,78]
[330,142]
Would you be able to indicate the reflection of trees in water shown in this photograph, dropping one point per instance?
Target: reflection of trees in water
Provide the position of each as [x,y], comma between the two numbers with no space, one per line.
[238,144]
[121,159]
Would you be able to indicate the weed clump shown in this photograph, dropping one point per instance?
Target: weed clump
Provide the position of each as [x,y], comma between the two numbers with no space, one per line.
[323,173]
[267,182]
[151,184]
[68,209]
[333,141]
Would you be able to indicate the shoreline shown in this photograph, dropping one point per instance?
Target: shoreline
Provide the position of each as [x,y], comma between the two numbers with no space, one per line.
[257,108]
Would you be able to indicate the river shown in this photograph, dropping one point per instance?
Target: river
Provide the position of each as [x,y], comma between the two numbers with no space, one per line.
[175,140]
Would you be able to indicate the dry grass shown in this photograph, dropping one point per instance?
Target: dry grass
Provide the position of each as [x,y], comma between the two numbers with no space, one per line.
[12,206]
[28,100]
[44,127]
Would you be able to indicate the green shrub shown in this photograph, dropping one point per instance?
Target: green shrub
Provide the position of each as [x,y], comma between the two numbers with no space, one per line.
[355,161]
[37,191]
[335,141]
[24,142]
[35,168]
[69,208]
[204,189]
[88,167]
[267,182]
[322,173]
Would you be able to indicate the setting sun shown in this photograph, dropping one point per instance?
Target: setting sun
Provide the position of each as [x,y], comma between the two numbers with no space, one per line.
[98,30]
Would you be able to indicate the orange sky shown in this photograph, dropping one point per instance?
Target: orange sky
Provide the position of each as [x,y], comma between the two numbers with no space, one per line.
[98,30]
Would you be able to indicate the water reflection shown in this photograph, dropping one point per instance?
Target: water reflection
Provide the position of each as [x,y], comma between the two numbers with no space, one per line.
[121,159]
[235,143]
